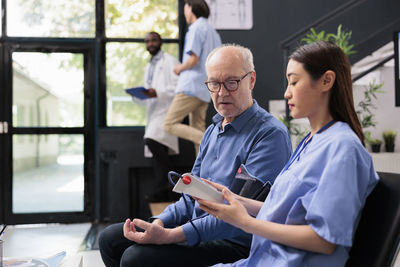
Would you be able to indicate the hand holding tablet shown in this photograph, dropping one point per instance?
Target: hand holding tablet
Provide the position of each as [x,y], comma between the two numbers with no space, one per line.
[194,186]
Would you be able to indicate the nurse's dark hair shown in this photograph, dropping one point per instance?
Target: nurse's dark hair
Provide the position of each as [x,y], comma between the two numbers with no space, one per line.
[199,8]
[321,56]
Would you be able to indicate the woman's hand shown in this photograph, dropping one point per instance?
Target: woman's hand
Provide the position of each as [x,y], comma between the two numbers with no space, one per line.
[220,188]
[233,213]
[217,186]
[252,206]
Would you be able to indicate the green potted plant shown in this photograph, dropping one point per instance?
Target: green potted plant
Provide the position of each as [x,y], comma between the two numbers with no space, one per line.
[389,136]
[375,145]
[341,38]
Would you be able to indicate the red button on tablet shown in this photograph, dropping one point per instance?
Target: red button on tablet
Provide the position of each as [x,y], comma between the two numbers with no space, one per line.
[186,179]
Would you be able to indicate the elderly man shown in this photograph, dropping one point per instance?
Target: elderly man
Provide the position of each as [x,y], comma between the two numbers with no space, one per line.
[242,134]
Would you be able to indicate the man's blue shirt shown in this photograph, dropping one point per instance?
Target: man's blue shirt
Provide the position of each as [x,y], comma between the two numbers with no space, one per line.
[255,139]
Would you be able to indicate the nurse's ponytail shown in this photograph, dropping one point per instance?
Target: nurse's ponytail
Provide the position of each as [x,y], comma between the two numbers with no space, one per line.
[321,56]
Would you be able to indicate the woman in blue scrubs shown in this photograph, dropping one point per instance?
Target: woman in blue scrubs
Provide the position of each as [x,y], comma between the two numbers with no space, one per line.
[310,215]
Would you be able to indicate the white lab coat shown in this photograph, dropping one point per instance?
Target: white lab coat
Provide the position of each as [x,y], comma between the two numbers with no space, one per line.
[164,82]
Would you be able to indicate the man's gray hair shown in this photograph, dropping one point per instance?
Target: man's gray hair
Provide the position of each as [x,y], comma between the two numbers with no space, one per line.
[247,56]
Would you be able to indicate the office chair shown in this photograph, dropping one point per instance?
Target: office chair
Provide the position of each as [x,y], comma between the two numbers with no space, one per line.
[377,237]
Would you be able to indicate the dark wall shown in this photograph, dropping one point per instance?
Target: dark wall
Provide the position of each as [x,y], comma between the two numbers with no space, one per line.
[124,174]
[284,22]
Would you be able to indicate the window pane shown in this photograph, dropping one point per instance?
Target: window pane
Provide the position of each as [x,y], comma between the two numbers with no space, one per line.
[50,95]
[49,18]
[125,65]
[47,173]
[134,18]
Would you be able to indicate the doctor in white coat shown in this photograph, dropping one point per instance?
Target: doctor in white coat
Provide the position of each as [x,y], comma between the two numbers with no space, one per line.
[160,80]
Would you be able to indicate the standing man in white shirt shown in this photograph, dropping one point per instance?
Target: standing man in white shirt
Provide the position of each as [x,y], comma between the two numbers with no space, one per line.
[160,80]
[192,95]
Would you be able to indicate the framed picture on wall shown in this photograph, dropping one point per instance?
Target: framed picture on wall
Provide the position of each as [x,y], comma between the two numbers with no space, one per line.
[231,14]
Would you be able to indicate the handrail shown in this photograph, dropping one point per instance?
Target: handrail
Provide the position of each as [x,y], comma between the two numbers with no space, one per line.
[379,64]
[285,44]
[345,7]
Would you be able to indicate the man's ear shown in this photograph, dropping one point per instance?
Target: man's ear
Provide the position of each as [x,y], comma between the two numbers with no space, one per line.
[328,79]
[252,79]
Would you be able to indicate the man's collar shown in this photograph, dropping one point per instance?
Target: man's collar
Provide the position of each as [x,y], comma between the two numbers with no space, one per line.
[157,56]
[240,121]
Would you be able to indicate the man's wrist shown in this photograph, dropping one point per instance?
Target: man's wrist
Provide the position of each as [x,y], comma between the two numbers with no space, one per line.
[176,235]
[158,221]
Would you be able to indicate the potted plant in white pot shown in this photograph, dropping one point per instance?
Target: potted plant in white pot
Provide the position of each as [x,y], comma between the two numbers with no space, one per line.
[389,137]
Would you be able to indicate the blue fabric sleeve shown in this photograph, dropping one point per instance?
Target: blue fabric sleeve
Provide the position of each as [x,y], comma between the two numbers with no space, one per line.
[194,41]
[176,214]
[334,205]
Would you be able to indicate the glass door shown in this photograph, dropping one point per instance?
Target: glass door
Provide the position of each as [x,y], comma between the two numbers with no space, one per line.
[48,141]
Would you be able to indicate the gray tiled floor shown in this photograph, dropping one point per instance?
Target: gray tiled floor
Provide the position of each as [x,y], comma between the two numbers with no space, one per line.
[48,239]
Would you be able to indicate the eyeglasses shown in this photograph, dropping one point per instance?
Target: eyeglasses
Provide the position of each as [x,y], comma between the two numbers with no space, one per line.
[231,85]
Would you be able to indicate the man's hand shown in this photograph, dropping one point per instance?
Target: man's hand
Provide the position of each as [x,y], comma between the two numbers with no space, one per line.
[154,233]
[159,222]
[151,92]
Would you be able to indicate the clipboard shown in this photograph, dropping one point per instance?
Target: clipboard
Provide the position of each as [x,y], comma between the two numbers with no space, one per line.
[137,92]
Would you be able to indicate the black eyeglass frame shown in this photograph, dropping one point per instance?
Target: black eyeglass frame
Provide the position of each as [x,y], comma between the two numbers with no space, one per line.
[226,88]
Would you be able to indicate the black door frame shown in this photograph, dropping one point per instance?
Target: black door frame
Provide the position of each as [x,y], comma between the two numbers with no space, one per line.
[87,47]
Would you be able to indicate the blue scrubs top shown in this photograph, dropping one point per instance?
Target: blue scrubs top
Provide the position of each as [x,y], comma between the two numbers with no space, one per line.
[200,40]
[255,139]
[325,188]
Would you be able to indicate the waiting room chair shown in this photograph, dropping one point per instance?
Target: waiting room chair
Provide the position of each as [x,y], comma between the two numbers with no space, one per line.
[377,237]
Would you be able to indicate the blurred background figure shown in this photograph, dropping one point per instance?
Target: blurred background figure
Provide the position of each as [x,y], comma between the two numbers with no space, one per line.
[160,80]
[192,96]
